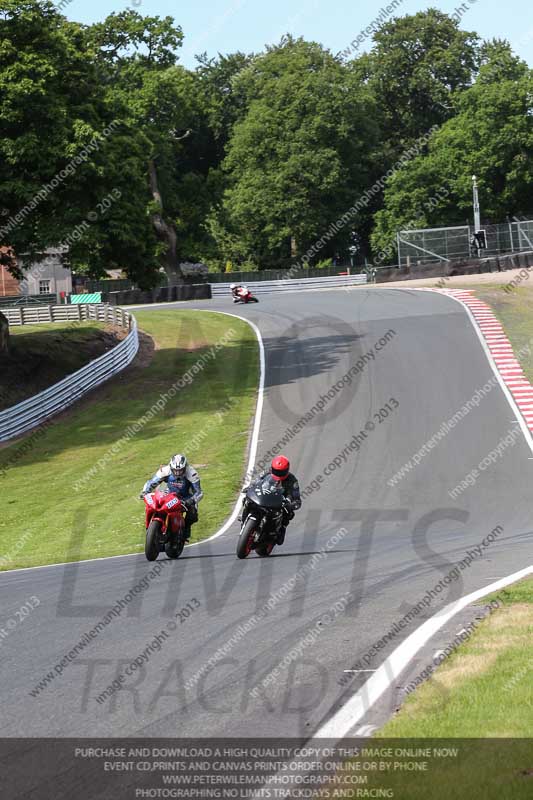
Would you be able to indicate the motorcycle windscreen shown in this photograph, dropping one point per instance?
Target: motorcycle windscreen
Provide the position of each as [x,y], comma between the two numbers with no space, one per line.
[267,493]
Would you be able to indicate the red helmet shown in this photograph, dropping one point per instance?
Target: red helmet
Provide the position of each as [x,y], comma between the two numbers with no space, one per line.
[280,468]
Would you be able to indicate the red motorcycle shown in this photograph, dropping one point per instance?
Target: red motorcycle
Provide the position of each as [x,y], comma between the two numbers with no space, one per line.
[245,296]
[165,525]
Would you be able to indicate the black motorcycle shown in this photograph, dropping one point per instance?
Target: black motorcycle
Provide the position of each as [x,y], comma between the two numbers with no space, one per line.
[262,518]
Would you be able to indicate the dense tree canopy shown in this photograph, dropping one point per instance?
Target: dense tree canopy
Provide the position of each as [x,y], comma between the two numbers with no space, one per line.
[301,153]
[416,69]
[112,150]
[491,136]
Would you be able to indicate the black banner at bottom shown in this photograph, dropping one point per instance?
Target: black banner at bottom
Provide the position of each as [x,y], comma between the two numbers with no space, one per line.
[242,769]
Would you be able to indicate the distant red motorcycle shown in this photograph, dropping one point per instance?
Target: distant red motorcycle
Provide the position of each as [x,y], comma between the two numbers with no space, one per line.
[165,525]
[245,296]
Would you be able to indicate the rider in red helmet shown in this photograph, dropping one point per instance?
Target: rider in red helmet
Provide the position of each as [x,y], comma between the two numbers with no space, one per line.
[280,471]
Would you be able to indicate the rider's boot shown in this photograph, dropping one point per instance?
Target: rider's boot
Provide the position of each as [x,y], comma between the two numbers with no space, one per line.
[244,509]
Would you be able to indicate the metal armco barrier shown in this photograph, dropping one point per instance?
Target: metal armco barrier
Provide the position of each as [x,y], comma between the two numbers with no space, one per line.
[34,411]
[33,315]
[263,287]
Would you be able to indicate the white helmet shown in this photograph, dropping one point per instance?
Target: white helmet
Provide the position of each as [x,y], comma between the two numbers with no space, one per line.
[178,465]
[233,286]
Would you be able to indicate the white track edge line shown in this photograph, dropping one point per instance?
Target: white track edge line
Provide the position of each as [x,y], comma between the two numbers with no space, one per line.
[340,724]
[251,459]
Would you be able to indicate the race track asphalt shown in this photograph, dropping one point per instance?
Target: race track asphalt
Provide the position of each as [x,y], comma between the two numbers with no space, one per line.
[381,547]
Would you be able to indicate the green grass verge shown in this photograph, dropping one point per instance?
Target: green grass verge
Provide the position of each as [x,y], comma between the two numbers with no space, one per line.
[484,688]
[513,309]
[480,705]
[482,691]
[208,419]
[41,355]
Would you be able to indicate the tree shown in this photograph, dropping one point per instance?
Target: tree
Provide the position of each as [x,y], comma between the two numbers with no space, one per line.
[499,63]
[111,92]
[112,150]
[139,56]
[416,69]
[225,97]
[47,113]
[67,149]
[296,161]
[491,137]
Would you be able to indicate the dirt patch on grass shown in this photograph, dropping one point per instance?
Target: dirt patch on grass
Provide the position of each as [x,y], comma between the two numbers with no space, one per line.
[504,630]
[516,614]
[41,358]
[143,359]
[466,667]
[195,344]
[147,348]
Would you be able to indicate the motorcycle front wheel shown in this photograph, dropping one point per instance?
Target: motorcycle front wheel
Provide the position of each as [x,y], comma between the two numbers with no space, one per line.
[151,545]
[246,538]
[265,548]
[175,549]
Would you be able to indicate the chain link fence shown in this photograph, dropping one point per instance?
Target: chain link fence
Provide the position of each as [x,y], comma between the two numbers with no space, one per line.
[431,245]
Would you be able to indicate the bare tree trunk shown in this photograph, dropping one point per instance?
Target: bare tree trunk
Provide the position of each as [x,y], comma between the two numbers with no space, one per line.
[294,247]
[164,231]
[4,335]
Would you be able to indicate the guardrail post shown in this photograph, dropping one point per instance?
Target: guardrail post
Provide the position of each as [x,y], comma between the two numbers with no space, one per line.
[30,413]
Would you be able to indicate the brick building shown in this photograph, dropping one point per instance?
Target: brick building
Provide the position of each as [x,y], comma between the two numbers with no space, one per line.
[9,286]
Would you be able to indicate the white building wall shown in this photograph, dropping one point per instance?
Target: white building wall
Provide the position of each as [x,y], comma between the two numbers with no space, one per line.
[49,272]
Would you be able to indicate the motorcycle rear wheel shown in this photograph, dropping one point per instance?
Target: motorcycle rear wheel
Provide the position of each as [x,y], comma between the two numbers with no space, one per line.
[244,545]
[151,545]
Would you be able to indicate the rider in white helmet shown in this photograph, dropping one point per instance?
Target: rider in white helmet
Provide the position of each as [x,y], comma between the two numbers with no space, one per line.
[184,481]
[236,288]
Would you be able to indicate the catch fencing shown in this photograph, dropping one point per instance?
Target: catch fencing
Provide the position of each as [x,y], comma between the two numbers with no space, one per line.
[292,284]
[30,413]
[430,245]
